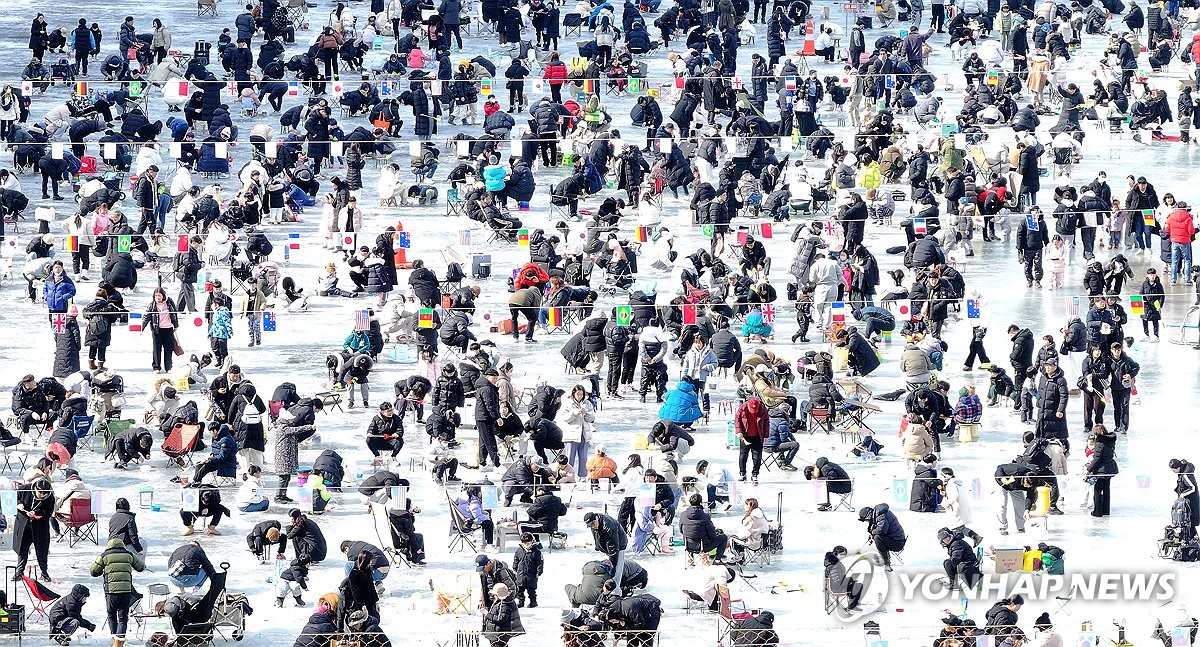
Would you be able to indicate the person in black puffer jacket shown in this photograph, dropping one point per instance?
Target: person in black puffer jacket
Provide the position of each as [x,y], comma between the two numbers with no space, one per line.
[449,392]
[925,486]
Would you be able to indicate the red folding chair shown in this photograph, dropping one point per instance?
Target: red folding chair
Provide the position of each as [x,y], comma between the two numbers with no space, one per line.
[81,525]
[40,597]
[180,443]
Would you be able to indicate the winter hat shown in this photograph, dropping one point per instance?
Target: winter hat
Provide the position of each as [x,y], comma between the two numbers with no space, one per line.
[500,591]
[69,474]
[1043,621]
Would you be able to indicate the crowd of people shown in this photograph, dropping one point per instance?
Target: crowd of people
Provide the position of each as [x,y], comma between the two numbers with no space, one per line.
[606,167]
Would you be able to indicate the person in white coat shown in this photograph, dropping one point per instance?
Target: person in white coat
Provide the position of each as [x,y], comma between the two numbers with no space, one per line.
[1044,634]
[754,527]
[825,273]
[957,504]
[81,227]
[147,156]
[578,428]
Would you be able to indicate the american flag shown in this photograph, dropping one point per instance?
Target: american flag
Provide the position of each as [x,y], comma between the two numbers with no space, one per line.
[59,323]
[1072,306]
[768,313]
[362,320]
[464,238]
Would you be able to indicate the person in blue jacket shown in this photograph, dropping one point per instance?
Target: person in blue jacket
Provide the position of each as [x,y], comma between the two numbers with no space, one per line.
[755,325]
[682,405]
[59,289]
[223,458]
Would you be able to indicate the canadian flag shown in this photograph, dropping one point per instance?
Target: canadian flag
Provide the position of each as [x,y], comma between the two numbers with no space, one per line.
[904,308]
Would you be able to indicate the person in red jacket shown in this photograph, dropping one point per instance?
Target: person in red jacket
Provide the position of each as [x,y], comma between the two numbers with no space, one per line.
[1182,229]
[556,76]
[752,425]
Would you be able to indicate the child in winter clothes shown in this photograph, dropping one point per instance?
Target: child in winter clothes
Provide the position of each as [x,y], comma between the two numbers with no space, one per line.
[293,580]
[329,284]
[1057,254]
[1116,225]
[417,58]
[249,496]
[219,333]
[527,563]
[250,103]
[1028,395]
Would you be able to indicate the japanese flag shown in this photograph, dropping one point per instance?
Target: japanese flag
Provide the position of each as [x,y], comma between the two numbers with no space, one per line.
[904,309]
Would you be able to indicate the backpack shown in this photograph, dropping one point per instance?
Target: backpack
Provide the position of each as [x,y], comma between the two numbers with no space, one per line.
[1036,455]
[1181,515]
[990,205]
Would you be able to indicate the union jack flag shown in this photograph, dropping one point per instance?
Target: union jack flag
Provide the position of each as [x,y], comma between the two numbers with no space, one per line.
[768,313]
[831,227]
[59,323]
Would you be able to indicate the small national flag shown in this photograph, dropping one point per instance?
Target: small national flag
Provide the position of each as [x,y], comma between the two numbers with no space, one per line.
[973,309]
[838,311]
[689,314]
[59,323]
[764,230]
[768,313]
[124,243]
[919,227]
[464,238]
[271,149]
[348,241]
[904,309]
[1143,481]
[183,244]
[1136,305]
[182,89]
[707,230]
[741,238]
[1031,222]
[362,319]
[293,89]
[624,315]
[737,83]
[385,90]
[403,240]
[485,86]
[554,317]
[1072,306]
[293,241]
[268,324]
[425,318]
[81,88]
[642,234]
[56,150]
[789,83]
[1148,217]
[198,322]
[136,88]
[72,243]
[135,322]
[523,238]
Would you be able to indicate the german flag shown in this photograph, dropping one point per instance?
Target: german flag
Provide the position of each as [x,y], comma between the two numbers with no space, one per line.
[642,234]
[425,318]
[554,317]
[81,88]
[72,243]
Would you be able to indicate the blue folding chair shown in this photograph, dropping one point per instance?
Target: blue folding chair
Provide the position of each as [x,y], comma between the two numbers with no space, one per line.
[83,427]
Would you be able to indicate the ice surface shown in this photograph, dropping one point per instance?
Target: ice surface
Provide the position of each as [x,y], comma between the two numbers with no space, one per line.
[1162,424]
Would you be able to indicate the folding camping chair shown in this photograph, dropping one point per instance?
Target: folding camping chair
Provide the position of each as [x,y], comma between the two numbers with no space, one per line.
[13,459]
[40,597]
[296,10]
[772,544]
[727,614]
[180,443]
[693,601]
[573,23]
[844,501]
[820,418]
[330,400]
[81,525]
[456,599]
[84,427]
[460,529]
[206,8]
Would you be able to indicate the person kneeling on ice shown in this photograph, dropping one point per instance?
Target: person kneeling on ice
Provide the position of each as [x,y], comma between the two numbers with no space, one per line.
[66,616]
[883,530]
[293,580]
[962,564]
